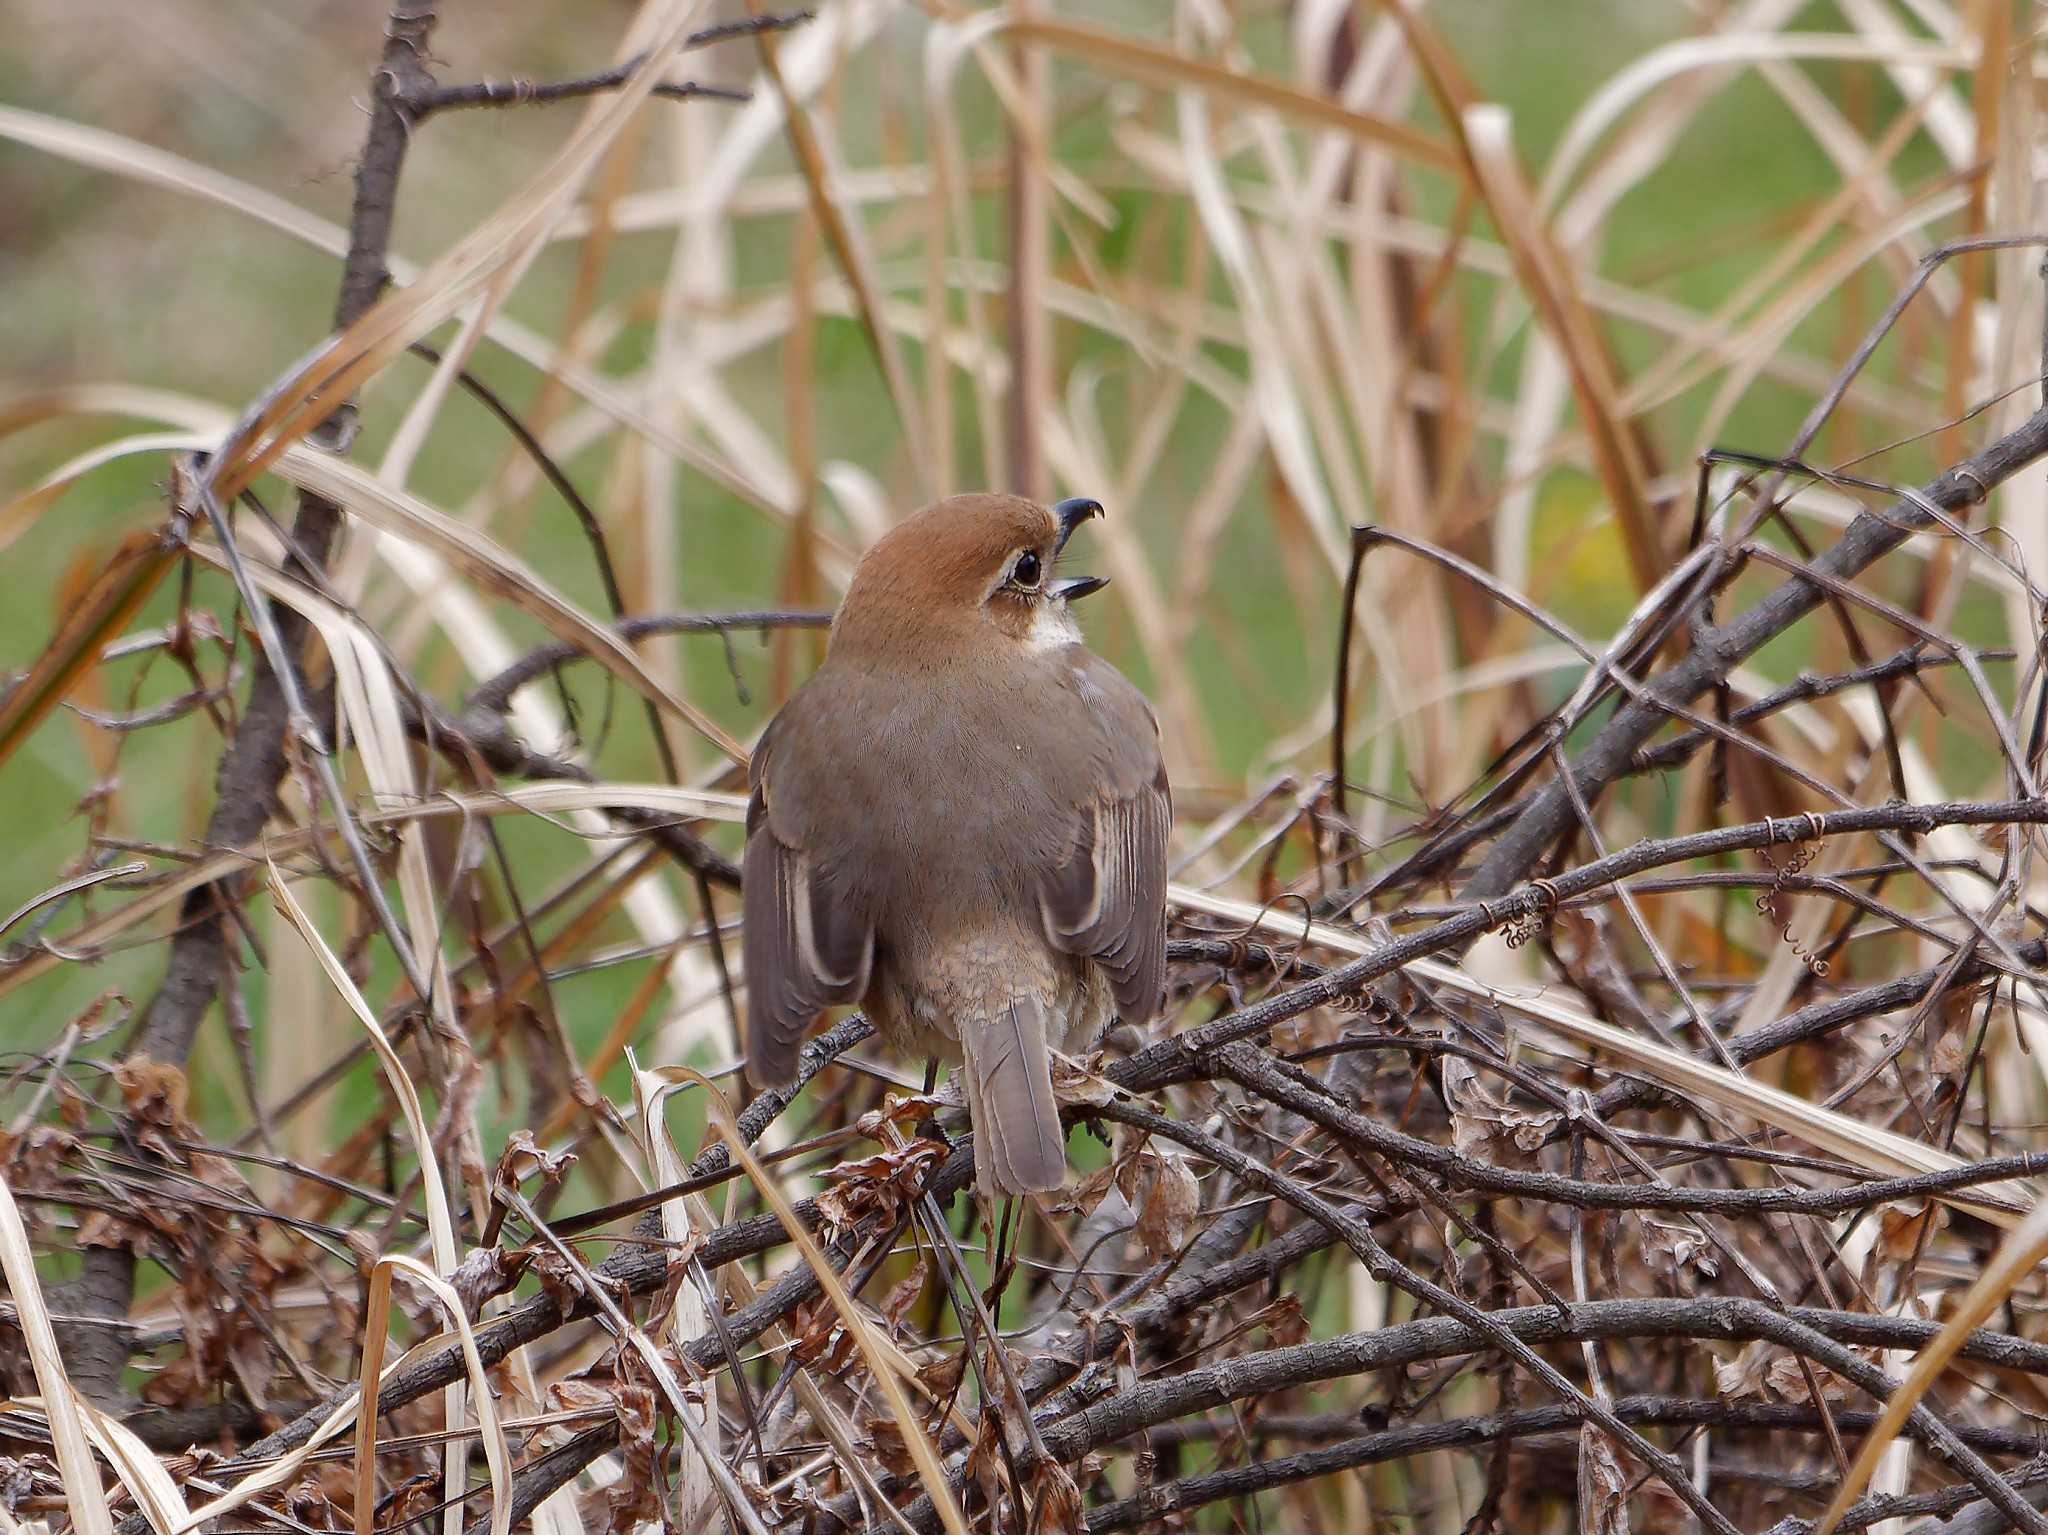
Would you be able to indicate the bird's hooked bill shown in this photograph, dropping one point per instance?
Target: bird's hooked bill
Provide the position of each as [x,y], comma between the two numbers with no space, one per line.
[1071,514]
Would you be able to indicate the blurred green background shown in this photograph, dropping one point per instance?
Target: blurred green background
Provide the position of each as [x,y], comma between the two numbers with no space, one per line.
[106,280]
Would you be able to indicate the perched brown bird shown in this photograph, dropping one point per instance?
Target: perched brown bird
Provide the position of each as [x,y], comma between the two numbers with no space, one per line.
[960,822]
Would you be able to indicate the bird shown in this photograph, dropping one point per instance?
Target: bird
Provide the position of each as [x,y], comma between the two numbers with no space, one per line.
[959,821]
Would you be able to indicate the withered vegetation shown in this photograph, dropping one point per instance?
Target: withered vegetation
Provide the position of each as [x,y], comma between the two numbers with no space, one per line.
[1604,1066]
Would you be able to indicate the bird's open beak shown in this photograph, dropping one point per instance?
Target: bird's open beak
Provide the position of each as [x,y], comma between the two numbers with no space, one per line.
[1071,514]
[1067,588]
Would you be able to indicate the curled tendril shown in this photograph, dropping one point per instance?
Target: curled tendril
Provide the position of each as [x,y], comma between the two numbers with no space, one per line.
[1529,924]
[1368,1003]
[1767,902]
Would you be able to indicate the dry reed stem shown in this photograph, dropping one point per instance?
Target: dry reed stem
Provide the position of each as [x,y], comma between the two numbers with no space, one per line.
[1256,296]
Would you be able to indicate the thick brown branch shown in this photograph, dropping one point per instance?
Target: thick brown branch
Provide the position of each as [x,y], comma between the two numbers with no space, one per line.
[1267,1472]
[1719,649]
[1168,1059]
[245,788]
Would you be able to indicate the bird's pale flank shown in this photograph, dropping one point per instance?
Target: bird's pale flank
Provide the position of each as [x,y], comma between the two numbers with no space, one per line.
[960,822]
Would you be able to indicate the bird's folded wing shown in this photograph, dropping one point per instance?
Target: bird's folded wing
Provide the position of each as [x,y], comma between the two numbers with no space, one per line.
[1107,899]
[804,951]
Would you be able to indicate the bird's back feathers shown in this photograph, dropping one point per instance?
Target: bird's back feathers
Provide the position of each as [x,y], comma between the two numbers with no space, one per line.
[956,835]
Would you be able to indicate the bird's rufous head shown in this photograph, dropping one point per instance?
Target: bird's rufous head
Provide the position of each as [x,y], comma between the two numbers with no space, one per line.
[966,571]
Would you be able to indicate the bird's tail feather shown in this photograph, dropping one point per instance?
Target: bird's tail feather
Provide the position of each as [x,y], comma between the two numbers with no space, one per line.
[1022,1147]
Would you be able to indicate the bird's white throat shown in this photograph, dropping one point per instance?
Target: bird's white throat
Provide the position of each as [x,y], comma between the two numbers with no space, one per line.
[1052,628]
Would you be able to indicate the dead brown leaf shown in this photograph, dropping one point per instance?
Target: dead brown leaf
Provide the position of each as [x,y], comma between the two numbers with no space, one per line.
[155,1096]
[635,1498]
[1683,1252]
[524,1158]
[1055,1501]
[1161,1187]
[1603,1488]
[1484,1126]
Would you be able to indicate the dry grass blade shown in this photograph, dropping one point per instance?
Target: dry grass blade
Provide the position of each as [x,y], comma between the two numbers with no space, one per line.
[62,888]
[83,1492]
[1157,65]
[123,584]
[441,1216]
[513,799]
[78,401]
[147,1479]
[22,512]
[121,155]
[687,1317]
[367,696]
[1549,285]
[497,570]
[376,1324]
[2017,1259]
[850,247]
[851,1315]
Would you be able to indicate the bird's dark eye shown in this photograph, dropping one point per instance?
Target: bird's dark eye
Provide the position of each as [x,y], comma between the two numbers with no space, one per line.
[1026,571]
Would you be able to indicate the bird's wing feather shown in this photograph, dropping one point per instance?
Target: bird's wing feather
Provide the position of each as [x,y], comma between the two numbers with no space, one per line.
[804,950]
[1106,897]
